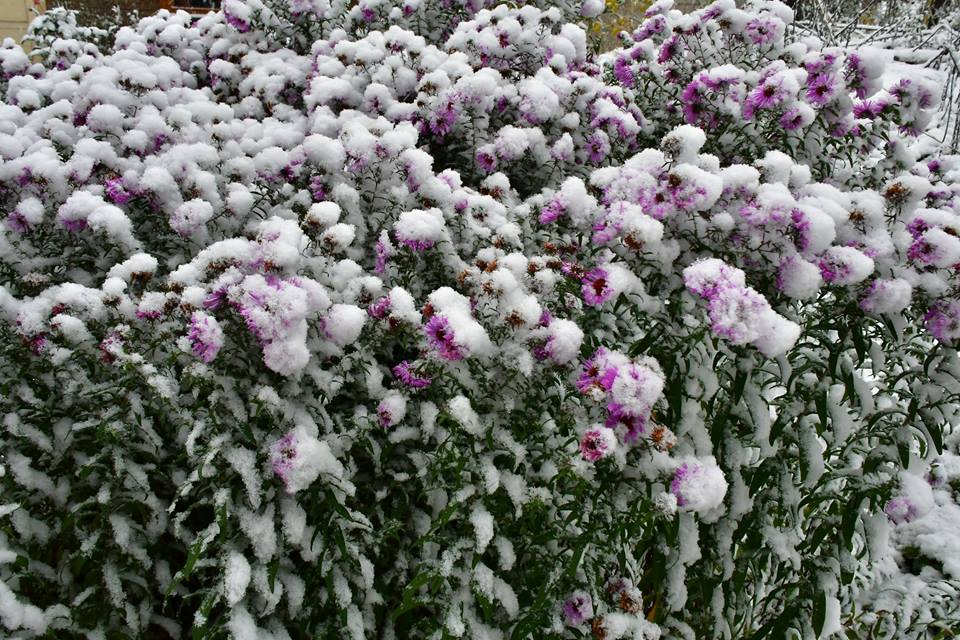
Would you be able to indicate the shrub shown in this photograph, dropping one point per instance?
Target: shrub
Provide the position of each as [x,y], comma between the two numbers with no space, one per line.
[419,320]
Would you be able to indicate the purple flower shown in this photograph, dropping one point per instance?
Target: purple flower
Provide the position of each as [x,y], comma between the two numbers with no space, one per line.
[552,211]
[318,189]
[821,89]
[801,229]
[597,443]
[650,27]
[622,71]
[696,109]
[856,75]
[442,120]
[116,192]
[17,222]
[236,22]
[594,373]
[391,410]
[404,372]
[633,426]
[943,320]
[734,312]
[578,608]
[383,252]
[379,308]
[416,245]
[487,159]
[596,290]
[668,49]
[766,95]
[74,226]
[869,109]
[283,454]
[205,335]
[791,119]
[901,509]
[683,474]
[441,339]
[762,30]
[598,146]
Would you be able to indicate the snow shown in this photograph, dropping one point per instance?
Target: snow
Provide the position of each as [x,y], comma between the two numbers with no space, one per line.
[236,578]
[344,323]
[483,529]
[191,216]
[461,411]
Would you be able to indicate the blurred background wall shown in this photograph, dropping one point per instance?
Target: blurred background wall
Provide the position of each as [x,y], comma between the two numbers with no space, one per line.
[15,15]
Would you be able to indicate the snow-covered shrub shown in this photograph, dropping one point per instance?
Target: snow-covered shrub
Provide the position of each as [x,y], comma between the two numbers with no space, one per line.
[416,319]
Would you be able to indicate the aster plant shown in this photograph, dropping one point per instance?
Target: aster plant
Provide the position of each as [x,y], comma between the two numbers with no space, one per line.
[419,320]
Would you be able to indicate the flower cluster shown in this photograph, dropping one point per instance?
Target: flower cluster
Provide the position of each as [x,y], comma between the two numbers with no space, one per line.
[339,318]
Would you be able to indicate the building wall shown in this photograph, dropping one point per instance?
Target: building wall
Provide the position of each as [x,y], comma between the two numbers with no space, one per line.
[15,15]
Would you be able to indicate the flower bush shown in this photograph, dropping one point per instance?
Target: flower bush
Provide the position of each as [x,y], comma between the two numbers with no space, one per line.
[418,319]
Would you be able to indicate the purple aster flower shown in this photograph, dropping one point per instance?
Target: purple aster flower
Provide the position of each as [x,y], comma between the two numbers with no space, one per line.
[205,335]
[900,510]
[598,146]
[633,427]
[442,120]
[650,27]
[283,454]
[596,290]
[236,22]
[669,48]
[762,30]
[943,320]
[318,189]
[766,95]
[487,159]
[594,372]
[116,192]
[733,313]
[683,474]
[74,226]
[552,211]
[597,443]
[791,119]
[383,252]
[441,339]
[404,372]
[856,75]
[578,608]
[869,109]
[821,89]
[17,222]
[379,308]
[623,72]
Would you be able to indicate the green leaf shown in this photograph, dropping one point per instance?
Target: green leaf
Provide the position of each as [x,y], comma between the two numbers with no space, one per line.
[739,383]
[822,410]
[641,345]
[409,600]
[848,524]
[903,452]
[341,541]
[577,556]
[935,434]
[272,574]
[819,612]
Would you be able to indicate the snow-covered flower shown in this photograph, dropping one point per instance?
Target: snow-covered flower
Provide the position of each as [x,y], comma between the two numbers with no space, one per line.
[205,335]
[577,608]
[597,443]
[698,486]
